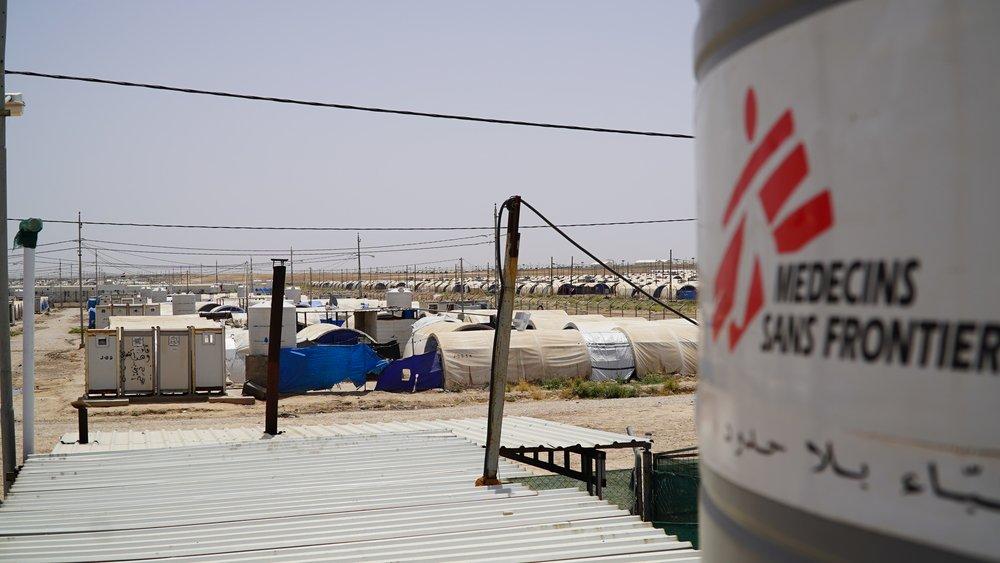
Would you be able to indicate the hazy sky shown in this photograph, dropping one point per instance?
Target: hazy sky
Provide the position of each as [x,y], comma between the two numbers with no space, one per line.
[123,154]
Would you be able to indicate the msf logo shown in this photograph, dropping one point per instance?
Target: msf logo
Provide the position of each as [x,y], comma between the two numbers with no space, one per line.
[790,229]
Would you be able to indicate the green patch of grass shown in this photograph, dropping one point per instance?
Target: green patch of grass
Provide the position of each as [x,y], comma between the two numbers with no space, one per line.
[602,390]
[76,330]
[15,332]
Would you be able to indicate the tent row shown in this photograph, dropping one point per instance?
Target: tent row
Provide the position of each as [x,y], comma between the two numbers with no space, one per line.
[559,346]
[659,289]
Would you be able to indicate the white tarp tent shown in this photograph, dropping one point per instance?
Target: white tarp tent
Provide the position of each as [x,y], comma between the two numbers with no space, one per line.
[663,347]
[611,356]
[535,355]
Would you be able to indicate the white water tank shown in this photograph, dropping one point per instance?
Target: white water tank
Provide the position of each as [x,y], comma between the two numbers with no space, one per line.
[173,360]
[399,298]
[103,362]
[138,366]
[259,325]
[184,303]
[210,359]
[293,294]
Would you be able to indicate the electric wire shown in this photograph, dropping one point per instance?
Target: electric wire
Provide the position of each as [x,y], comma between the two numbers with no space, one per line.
[297,228]
[592,257]
[253,97]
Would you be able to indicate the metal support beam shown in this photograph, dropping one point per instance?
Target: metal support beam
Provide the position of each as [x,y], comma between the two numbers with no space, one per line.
[501,346]
[274,346]
[8,450]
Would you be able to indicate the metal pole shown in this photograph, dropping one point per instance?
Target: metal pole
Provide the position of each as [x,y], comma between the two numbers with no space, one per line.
[291,266]
[501,348]
[571,272]
[552,265]
[461,281]
[28,355]
[671,267]
[79,257]
[216,272]
[9,452]
[360,295]
[274,346]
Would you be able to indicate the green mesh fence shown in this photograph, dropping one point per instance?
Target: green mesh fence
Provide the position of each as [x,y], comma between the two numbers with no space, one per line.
[618,491]
[675,496]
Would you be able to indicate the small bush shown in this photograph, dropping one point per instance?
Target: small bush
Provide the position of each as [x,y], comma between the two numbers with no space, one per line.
[603,390]
[75,330]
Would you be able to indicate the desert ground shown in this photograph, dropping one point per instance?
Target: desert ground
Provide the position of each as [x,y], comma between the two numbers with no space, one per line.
[60,379]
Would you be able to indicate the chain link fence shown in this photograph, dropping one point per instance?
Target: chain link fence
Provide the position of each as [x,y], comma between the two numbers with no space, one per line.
[675,482]
[620,488]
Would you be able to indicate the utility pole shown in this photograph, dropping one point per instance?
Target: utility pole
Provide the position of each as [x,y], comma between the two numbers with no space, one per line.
[79,269]
[671,268]
[571,272]
[461,269]
[97,286]
[291,267]
[501,349]
[9,449]
[552,265]
[216,272]
[359,267]
[189,279]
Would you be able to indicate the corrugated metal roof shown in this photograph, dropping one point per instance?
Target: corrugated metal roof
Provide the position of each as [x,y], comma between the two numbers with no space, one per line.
[390,496]
[517,431]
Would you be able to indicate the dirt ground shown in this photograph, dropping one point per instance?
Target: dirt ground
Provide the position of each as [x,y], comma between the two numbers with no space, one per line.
[60,379]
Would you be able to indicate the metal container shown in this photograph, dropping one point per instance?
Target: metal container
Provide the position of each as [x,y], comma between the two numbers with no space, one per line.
[102,316]
[135,310]
[138,366]
[209,351]
[173,361]
[846,162]
[103,362]
[151,309]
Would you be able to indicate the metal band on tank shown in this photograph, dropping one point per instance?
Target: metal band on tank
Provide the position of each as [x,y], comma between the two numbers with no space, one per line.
[765,530]
[726,26]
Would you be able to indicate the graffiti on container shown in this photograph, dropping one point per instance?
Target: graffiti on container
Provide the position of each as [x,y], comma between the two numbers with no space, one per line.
[136,364]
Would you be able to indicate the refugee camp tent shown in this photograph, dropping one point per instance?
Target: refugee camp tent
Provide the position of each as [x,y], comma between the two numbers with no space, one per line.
[422,330]
[611,355]
[322,367]
[663,347]
[535,355]
[546,318]
[605,324]
[325,333]
[416,373]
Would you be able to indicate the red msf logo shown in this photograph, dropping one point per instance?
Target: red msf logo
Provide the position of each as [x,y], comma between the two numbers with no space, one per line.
[794,230]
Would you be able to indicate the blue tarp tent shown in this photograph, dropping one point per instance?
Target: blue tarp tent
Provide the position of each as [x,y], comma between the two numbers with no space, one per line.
[322,367]
[422,372]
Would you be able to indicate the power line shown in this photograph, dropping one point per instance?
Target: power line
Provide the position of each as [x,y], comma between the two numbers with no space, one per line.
[243,251]
[372,109]
[296,228]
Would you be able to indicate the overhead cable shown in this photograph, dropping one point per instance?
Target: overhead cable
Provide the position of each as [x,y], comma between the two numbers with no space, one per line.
[372,109]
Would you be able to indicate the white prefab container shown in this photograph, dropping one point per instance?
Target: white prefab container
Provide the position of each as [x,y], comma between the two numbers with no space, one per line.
[158,295]
[103,366]
[259,325]
[184,303]
[399,298]
[209,359]
[102,316]
[138,368]
[135,310]
[846,159]
[173,361]
[151,309]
